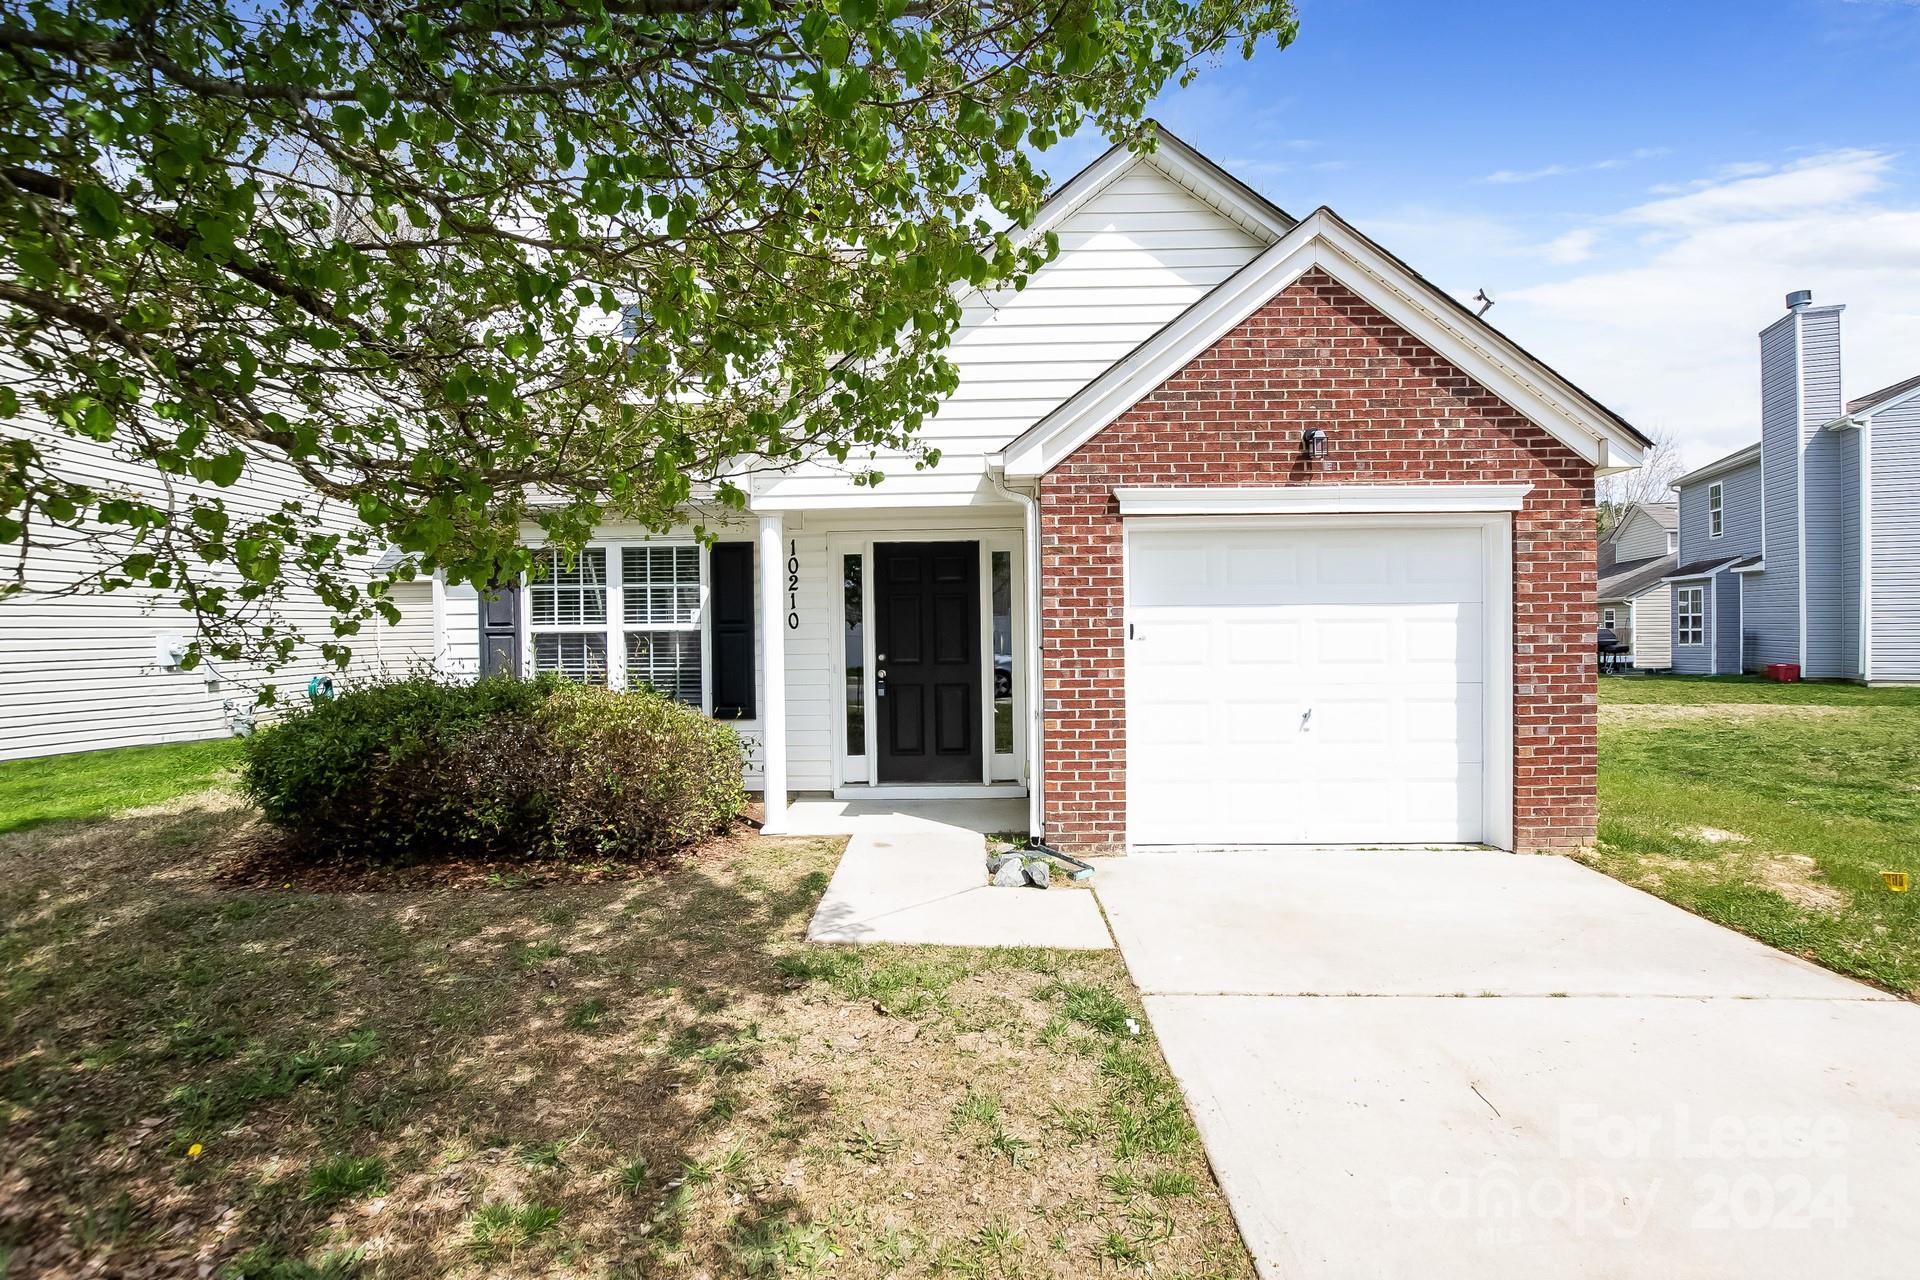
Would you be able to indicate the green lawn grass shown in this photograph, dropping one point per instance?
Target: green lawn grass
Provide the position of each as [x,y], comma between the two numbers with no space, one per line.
[1703,690]
[653,1077]
[1772,809]
[96,784]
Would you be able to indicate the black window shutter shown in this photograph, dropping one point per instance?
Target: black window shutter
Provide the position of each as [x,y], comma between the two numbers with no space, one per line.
[500,631]
[730,580]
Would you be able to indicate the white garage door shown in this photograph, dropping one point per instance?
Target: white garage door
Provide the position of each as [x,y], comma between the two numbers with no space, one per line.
[1306,683]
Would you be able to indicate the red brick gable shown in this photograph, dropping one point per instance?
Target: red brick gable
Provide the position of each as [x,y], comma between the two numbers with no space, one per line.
[1395,411]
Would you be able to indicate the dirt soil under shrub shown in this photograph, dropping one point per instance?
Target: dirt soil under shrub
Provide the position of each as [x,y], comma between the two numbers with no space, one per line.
[206,1071]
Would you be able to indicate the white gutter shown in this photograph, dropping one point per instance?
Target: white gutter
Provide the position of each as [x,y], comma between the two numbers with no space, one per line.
[1030,507]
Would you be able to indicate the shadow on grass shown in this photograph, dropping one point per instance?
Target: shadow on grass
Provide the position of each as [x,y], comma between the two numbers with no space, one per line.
[176,1057]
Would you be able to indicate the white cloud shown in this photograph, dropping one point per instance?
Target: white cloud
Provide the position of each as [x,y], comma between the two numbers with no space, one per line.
[1660,321]
[1575,246]
[1817,182]
[1508,177]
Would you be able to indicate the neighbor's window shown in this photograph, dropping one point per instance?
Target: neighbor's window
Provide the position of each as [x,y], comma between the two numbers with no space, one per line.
[1693,615]
[854,614]
[1606,619]
[567,607]
[1002,653]
[1716,511]
[660,614]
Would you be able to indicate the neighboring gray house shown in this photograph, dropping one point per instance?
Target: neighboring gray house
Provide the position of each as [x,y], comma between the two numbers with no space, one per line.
[1805,547]
[1634,597]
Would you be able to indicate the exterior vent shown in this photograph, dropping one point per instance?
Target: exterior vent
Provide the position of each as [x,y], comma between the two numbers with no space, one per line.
[1799,298]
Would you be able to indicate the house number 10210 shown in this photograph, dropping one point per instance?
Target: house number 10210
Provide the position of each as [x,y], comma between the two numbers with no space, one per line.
[793,585]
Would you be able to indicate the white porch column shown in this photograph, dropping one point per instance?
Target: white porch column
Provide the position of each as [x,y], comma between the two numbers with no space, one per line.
[773,672]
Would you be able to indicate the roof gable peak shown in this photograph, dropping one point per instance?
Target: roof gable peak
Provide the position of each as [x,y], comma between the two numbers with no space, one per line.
[1323,241]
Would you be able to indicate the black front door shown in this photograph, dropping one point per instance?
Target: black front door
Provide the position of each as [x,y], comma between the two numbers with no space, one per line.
[927,660]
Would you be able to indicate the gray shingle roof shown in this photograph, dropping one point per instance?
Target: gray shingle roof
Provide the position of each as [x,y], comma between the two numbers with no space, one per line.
[1873,398]
[1701,568]
[1629,578]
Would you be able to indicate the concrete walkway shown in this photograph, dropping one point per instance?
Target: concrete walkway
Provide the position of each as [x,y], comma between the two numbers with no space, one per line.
[1640,1093]
[916,873]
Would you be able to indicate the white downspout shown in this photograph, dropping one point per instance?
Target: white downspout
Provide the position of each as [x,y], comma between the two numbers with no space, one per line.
[1036,697]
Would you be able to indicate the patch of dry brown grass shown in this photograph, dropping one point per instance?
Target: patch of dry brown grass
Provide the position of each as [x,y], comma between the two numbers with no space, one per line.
[1650,714]
[653,1077]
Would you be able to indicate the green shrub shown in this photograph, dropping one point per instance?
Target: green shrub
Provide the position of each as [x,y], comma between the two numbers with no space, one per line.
[642,774]
[413,769]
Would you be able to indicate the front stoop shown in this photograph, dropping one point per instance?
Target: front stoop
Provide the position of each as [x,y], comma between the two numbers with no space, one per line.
[908,879]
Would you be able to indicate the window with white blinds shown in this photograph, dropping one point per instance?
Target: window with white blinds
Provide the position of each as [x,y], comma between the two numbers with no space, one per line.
[661,593]
[567,614]
[563,593]
[661,585]
[632,615]
[578,656]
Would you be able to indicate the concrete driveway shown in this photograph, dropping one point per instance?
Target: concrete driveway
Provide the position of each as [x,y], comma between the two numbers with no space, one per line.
[1485,1065]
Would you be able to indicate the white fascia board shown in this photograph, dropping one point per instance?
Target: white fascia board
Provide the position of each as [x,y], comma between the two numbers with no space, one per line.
[1720,466]
[1216,187]
[1319,499]
[850,503]
[1753,568]
[1083,186]
[1177,161]
[1317,242]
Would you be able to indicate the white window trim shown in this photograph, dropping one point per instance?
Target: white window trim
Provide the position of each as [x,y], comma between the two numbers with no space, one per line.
[1320,499]
[1716,510]
[1680,616]
[1606,617]
[615,628]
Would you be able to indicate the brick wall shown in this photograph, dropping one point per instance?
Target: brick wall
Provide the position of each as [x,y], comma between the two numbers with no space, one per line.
[1394,411]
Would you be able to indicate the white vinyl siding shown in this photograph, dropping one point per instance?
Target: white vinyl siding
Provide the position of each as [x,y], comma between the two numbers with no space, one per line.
[1653,629]
[77,666]
[459,654]
[1639,537]
[1132,257]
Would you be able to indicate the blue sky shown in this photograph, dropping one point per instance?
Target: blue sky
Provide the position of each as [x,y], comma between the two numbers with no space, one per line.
[1636,184]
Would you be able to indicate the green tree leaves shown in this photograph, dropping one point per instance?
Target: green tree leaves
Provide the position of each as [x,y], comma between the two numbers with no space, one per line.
[466,269]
